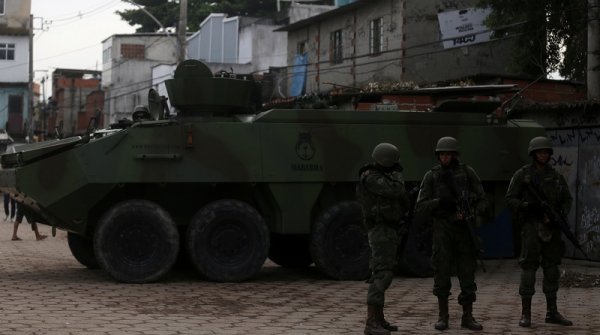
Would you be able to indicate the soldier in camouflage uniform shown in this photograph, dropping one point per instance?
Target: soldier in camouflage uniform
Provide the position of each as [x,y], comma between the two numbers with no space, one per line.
[541,242]
[442,188]
[384,202]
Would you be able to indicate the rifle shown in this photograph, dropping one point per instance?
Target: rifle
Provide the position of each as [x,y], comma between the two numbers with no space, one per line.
[464,207]
[557,218]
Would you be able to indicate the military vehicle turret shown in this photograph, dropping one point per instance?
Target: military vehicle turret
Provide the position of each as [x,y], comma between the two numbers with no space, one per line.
[228,186]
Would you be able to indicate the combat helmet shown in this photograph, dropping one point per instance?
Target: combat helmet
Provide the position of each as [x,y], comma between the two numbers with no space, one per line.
[446,143]
[140,113]
[386,154]
[539,143]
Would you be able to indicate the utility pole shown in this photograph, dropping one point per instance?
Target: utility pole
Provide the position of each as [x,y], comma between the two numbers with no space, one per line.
[181,30]
[593,55]
[29,130]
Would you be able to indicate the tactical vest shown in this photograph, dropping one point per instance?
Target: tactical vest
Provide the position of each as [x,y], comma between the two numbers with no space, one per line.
[377,208]
[452,182]
[441,188]
[548,182]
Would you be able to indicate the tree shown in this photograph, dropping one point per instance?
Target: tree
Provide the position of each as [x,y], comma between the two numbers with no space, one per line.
[550,35]
[167,12]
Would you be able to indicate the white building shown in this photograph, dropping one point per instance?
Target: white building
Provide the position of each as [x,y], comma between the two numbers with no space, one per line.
[128,60]
[235,41]
[15,65]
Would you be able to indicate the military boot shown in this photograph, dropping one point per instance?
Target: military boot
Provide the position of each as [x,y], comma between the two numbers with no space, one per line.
[442,323]
[526,313]
[373,325]
[552,314]
[468,321]
[384,323]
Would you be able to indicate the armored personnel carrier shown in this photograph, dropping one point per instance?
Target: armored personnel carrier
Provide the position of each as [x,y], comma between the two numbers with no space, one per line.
[227,186]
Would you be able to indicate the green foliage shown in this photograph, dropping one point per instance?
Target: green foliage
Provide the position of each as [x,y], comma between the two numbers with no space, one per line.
[167,12]
[550,35]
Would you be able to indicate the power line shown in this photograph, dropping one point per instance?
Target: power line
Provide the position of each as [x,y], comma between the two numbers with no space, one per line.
[80,15]
[398,50]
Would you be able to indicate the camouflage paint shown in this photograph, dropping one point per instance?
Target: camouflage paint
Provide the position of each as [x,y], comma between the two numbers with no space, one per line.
[289,164]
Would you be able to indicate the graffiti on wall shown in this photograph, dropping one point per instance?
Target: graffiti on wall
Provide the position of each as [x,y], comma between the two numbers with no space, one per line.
[577,157]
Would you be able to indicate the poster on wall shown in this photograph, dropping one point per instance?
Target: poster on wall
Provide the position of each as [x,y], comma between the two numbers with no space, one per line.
[464,27]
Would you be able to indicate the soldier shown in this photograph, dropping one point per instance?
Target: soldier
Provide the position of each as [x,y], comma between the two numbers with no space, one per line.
[384,202]
[541,242]
[443,189]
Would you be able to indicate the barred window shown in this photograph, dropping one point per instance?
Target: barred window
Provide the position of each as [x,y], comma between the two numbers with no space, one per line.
[376,36]
[336,55]
[135,51]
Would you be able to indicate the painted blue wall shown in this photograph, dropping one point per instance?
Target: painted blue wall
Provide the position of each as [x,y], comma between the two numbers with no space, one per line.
[5,92]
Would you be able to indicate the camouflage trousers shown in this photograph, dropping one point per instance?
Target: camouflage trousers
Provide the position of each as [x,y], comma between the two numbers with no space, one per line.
[453,251]
[536,253]
[383,240]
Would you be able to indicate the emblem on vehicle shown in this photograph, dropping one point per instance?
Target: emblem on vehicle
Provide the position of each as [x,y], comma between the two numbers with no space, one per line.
[305,148]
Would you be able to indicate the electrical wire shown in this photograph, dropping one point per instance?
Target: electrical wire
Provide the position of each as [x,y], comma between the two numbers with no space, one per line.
[80,14]
[339,68]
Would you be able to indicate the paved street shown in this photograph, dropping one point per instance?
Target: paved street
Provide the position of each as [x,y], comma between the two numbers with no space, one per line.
[45,291]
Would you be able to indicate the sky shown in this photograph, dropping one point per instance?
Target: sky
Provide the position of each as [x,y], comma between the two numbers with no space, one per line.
[69,33]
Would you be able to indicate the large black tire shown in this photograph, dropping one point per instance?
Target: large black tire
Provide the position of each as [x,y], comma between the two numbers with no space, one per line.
[228,241]
[82,249]
[339,244]
[290,251]
[136,241]
[416,252]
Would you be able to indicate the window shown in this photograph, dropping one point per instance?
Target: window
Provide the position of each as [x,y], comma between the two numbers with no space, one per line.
[1,7]
[106,55]
[336,55]
[133,51]
[375,36]
[7,51]
[302,47]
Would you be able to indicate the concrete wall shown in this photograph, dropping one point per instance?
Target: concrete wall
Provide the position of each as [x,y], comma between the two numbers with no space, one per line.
[268,48]
[412,47]
[358,66]
[16,16]
[126,81]
[298,12]
[425,58]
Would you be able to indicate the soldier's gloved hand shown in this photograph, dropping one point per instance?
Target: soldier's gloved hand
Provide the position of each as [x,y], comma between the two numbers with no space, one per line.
[447,204]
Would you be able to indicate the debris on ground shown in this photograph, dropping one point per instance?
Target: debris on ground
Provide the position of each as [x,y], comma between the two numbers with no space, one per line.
[578,279]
